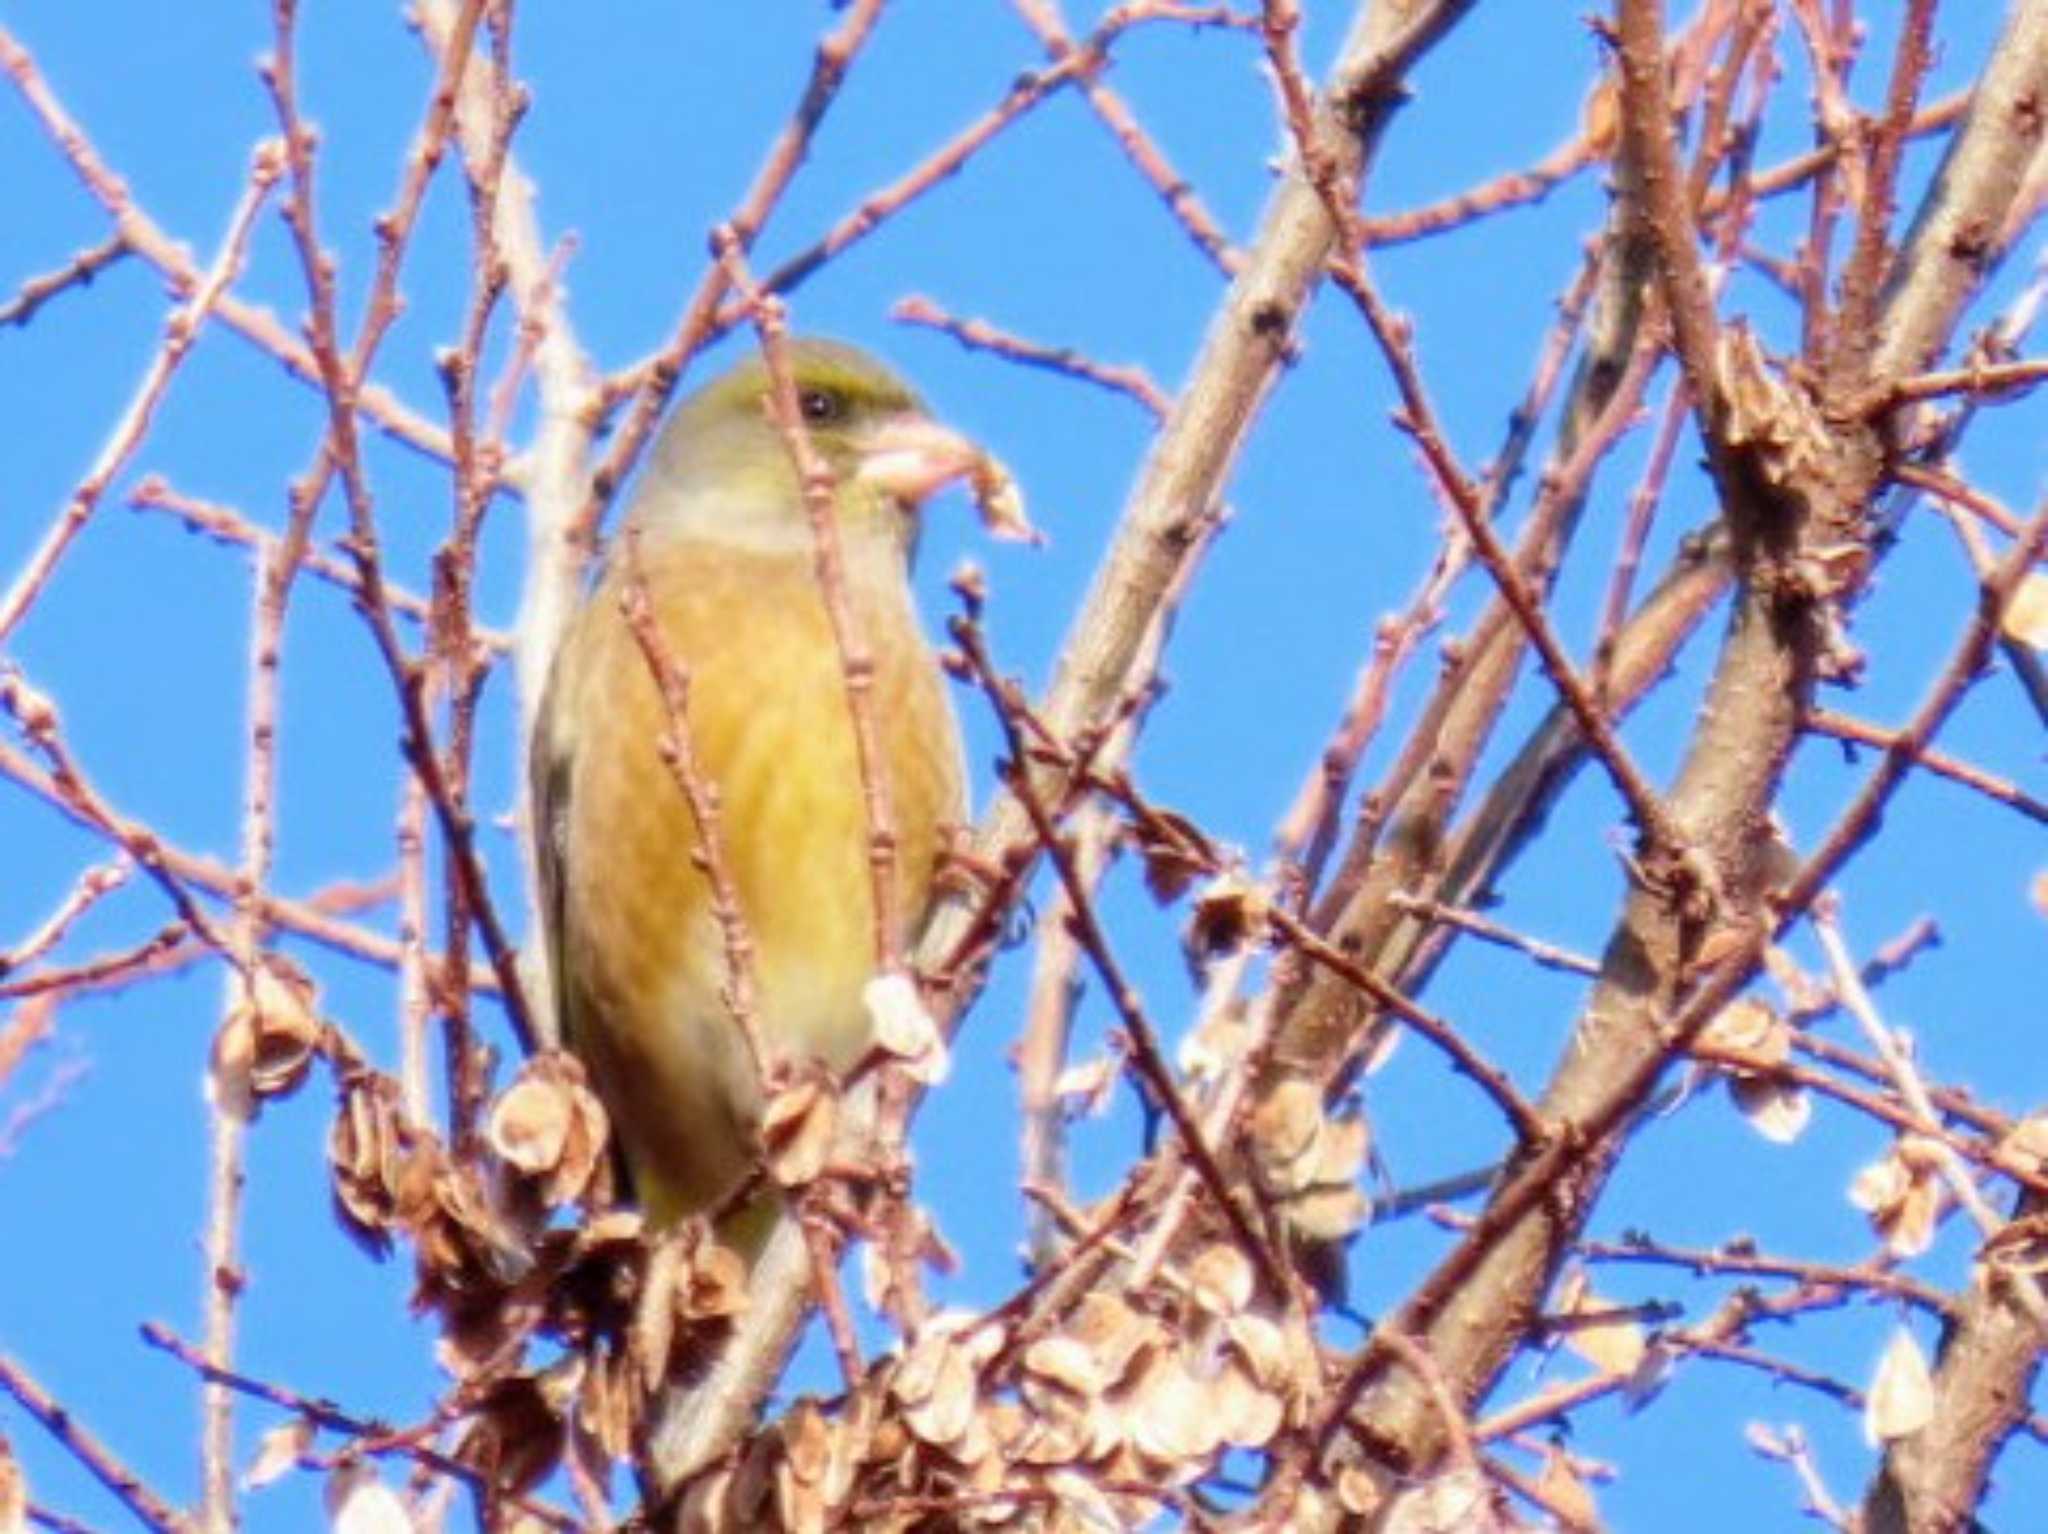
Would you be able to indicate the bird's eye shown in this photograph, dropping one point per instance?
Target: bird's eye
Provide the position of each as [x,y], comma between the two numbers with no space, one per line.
[821,407]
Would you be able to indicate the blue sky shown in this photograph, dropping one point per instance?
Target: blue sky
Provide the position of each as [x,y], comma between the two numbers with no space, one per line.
[647,122]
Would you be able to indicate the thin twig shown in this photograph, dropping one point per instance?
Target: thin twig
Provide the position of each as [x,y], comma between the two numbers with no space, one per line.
[979,335]
[678,753]
[368,1435]
[180,331]
[1906,1078]
[856,654]
[78,272]
[63,1425]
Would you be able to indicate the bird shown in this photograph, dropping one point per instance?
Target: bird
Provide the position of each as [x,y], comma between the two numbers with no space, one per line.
[719,539]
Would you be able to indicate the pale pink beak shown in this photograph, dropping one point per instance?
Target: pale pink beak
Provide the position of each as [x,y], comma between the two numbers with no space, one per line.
[910,458]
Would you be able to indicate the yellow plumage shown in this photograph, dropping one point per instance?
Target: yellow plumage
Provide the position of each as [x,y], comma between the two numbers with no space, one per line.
[725,552]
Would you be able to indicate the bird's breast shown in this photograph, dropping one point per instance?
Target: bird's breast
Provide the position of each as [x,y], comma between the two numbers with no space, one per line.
[771,735]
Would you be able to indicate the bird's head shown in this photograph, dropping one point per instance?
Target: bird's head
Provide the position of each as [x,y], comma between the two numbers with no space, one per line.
[722,467]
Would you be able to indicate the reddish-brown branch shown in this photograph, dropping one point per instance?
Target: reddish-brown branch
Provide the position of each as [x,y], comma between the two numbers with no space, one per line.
[1501,194]
[66,786]
[1145,155]
[168,256]
[1790,175]
[68,792]
[1951,491]
[1863,273]
[678,754]
[1041,1051]
[78,272]
[1642,507]
[134,1493]
[1956,1105]
[223,524]
[159,954]
[856,656]
[341,454]
[1877,1275]
[1650,148]
[1549,955]
[709,315]
[461,663]
[1995,380]
[1013,717]
[1291,931]
[1413,1354]
[979,335]
[367,1434]
[92,886]
[1082,62]
[822,1244]
[416,978]
[652,382]
[1524,1118]
[1964,669]
[1523,600]
[1841,727]
[1307,833]
[180,331]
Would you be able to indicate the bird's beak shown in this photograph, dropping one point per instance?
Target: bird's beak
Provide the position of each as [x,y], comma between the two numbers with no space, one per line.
[910,458]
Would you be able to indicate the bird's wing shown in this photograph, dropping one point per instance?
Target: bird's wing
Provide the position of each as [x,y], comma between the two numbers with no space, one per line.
[550,764]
